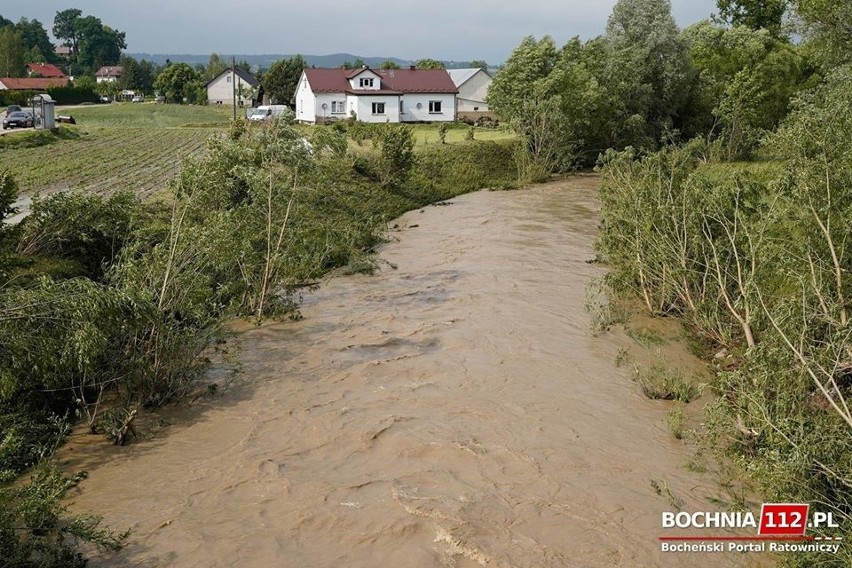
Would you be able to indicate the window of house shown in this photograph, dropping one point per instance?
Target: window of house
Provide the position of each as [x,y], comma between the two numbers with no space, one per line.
[378,108]
[365,82]
[337,107]
[434,107]
[229,78]
[401,102]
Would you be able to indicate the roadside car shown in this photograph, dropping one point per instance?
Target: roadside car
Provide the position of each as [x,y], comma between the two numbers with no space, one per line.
[138,99]
[12,108]
[18,120]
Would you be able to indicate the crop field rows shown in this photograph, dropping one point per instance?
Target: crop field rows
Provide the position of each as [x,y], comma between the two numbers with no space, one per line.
[141,160]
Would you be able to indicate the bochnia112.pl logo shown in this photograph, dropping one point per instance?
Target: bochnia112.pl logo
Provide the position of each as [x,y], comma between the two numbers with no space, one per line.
[780,527]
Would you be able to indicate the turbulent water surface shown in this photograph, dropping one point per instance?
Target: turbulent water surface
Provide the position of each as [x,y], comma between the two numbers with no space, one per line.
[453,411]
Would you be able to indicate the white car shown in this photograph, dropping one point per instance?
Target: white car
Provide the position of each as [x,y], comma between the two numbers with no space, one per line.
[138,99]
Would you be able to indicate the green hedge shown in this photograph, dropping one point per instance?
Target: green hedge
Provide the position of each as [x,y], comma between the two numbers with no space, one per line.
[63,96]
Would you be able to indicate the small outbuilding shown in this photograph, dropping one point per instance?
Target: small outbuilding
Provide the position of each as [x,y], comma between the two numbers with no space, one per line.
[44,111]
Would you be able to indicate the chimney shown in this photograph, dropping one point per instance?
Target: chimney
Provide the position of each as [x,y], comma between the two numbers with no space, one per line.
[411,67]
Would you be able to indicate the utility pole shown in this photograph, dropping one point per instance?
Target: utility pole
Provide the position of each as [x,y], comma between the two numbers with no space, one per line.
[234,85]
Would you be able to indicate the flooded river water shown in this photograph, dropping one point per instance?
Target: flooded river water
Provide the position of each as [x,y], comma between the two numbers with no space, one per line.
[454,411]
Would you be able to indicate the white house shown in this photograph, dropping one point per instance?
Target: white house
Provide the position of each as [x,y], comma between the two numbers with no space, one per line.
[109,74]
[376,95]
[473,87]
[222,88]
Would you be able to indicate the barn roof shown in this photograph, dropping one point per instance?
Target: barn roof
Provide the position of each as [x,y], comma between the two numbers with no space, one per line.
[32,84]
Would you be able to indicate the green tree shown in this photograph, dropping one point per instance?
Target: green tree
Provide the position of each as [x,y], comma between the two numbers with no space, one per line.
[98,44]
[396,154]
[215,66]
[755,14]
[389,65]
[36,41]
[827,29]
[481,63]
[65,27]
[177,82]
[12,51]
[280,82]
[746,79]
[357,64]
[529,63]
[647,70]
[429,64]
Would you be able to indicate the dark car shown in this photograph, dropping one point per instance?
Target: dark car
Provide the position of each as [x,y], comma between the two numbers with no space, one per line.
[12,108]
[18,120]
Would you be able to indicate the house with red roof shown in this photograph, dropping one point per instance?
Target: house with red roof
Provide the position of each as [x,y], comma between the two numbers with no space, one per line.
[45,70]
[376,95]
[31,83]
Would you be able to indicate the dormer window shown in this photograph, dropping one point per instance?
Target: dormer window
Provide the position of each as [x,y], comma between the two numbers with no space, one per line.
[365,82]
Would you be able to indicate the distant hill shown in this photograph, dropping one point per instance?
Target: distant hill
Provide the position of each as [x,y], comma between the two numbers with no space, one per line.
[264,61]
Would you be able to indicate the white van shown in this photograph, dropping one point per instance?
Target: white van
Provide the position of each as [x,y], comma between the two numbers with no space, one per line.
[265,112]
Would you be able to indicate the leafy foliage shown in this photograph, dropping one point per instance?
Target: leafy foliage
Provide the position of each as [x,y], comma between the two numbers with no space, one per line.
[280,82]
[36,530]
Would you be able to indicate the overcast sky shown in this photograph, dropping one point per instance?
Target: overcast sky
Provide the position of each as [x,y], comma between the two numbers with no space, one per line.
[442,29]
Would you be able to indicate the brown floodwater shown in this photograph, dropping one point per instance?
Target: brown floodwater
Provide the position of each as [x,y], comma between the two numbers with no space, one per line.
[455,410]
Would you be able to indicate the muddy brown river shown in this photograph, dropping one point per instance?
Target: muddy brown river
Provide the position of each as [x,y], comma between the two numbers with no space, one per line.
[455,411]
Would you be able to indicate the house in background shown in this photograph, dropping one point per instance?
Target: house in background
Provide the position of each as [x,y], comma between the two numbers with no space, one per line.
[45,70]
[31,84]
[222,88]
[473,87]
[376,95]
[109,74]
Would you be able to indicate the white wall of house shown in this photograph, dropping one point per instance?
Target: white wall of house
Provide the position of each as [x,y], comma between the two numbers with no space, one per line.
[472,93]
[305,101]
[330,106]
[413,114]
[363,107]
[220,90]
[357,82]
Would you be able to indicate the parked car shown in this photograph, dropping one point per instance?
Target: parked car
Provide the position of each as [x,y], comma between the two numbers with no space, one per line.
[267,112]
[160,99]
[12,108]
[138,99]
[104,99]
[18,120]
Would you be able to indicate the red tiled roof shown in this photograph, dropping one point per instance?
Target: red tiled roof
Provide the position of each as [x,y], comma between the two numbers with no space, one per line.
[46,70]
[110,71]
[393,81]
[15,84]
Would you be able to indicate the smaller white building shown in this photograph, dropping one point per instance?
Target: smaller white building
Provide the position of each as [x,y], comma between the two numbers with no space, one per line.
[376,95]
[473,85]
[109,74]
[230,84]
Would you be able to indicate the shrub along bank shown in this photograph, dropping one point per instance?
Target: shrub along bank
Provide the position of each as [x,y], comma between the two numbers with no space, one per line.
[112,303]
[758,266]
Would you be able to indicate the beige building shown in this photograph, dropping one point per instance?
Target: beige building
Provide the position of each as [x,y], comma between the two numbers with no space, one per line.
[231,84]
[473,87]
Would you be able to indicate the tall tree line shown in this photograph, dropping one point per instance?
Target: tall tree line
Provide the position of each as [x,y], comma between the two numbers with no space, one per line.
[645,83]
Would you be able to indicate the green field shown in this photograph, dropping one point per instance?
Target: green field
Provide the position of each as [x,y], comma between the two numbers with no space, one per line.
[139,147]
[147,115]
